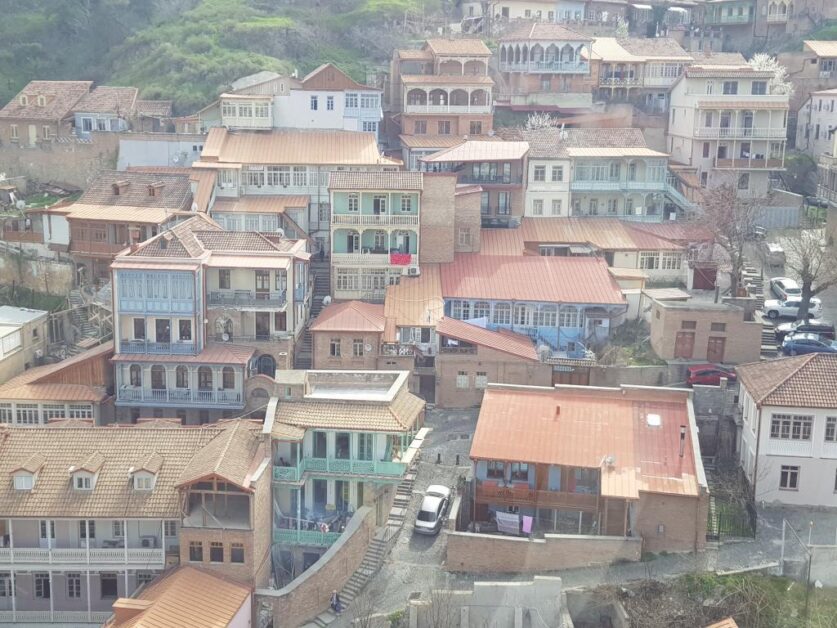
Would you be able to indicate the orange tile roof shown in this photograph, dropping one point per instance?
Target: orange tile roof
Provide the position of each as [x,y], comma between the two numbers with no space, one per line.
[584,280]
[328,77]
[343,180]
[258,204]
[581,426]
[504,341]
[61,96]
[414,302]
[350,316]
[108,99]
[186,597]
[606,234]
[805,381]
[460,46]
[215,353]
[675,231]
[414,55]
[232,455]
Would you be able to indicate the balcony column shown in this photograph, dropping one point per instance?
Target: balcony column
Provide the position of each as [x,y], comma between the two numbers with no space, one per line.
[125,545]
[14,595]
[89,605]
[51,595]
[87,538]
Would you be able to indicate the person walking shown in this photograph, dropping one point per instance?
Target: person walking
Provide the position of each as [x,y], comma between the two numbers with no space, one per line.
[336,604]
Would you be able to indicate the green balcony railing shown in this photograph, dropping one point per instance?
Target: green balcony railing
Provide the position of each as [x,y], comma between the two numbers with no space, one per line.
[305,537]
[342,466]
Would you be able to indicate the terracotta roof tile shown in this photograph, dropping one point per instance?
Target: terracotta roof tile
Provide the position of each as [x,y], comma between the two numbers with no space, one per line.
[553,143]
[350,316]
[107,99]
[442,141]
[414,55]
[505,341]
[61,97]
[655,48]
[261,204]
[231,456]
[583,280]
[154,108]
[806,381]
[459,46]
[186,597]
[328,77]
[234,241]
[342,180]
[175,193]
[543,31]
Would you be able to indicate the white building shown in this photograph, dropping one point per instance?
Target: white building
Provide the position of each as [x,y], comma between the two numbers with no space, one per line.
[788,438]
[725,122]
[817,122]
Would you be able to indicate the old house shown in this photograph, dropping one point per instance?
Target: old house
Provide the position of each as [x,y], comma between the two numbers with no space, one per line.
[41,112]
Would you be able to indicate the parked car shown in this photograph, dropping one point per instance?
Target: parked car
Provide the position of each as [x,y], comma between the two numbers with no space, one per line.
[799,344]
[789,308]
[757,233]
[433,509]
[773,253]
[784,287]
[709,374]
[824,329]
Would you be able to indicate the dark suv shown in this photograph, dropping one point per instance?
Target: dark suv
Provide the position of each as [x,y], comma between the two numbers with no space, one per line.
[812,326]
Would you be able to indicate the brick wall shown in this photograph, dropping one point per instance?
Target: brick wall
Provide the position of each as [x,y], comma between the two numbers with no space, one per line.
[459,125]
[501,368]
[683,519]
[321,349]
[467,216]
[485,553]
[309,594]
[263,524]
[437,218]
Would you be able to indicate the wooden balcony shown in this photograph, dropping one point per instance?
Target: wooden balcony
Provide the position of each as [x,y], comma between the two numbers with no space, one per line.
[95,249]
[749,164]
[13,235]
[524,495]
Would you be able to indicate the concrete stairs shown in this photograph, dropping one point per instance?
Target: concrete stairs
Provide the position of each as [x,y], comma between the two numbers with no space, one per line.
[321,272]
[375,553]
[79,316]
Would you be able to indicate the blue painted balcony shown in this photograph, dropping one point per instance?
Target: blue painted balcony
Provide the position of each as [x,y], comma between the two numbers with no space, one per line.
[247,298]
[339,466]
[180,397]
[157,348]
[314,538]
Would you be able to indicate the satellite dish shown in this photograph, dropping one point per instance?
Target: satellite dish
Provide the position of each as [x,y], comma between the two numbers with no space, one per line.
[225,337]
[367,348]
[326,299]
[280,232]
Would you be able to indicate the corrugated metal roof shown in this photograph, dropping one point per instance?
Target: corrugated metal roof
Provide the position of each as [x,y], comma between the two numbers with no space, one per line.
[606,234]
[350,316]
[415,301]
[505,341]
[501,242]
[258,204]
[480,151]
[543,31]
[583,280]
[460,46]
[806,381]
[215,353]
[293,147]
[822,48]
[682,232]
[343,180]
[579,427]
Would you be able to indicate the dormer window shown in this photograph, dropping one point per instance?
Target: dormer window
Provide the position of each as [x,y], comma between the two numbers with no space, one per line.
[41,101]
[83,476]
[26,474]
[24,481]
[143,481]
[83,482]
[144,475]
[24,100]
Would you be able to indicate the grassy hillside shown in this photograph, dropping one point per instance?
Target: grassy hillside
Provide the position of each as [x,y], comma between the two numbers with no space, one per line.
[188,50]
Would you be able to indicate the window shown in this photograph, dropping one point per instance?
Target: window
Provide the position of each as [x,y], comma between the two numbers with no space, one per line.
[688,324]
[475,128]
[5,413]
[216,552]
[406,204]
[420,127]
[460,310]
[351,101]
[539,173]
[557,206]
[170,528]
[759,88]
[522,315]
[354,202]
[42,586]
[718,327]
[502,314]
[557,173]
[357,348]
[369,127]
[568,317]
[744,181]
[27,414]
[831,429]
[181,377]
[368,101]
[462,380]
[481,380]
[791,427]
[204,378]
[118,529]
[144,577]
[52,411]
[496,469]
[330,103]
[73,585]
[730,87]
[195,551]
[101,125]
[704,179]
[364,446]
[649,260]
[237,553]
[314,103]
[84,527]
[482,309]
[142,482]
[671,261]
[24,482]
[519,471]
[546,316]
[464,236]
[705,150]
[789,478]
[443,127]
[334,348]
[83,483]
[108,584]
[537,207]
[224,279]
[13,131]
[261,110]
[185,329]
[45,131]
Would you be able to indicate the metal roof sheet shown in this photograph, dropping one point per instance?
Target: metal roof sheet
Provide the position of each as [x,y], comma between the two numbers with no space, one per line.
[480,151]
[504,341]
[606,234]
[459,46]
[350,316]
[415,301]
[259,204]
[543,31]
[822,48]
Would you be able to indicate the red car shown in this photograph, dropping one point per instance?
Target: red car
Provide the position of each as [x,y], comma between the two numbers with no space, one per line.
[709,375]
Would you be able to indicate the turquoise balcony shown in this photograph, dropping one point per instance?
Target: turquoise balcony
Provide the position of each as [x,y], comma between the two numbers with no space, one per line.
[339,466]
[313,538]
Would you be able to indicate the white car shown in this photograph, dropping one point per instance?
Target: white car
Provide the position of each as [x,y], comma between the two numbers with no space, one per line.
[789,308]
[433,509]
[784,287]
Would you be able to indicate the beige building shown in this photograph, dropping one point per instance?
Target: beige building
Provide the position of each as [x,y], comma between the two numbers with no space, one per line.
[23,339]
[41,112]
[347,336]
[710,332]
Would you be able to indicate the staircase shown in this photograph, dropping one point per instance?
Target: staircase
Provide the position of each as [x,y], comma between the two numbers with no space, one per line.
[321,272]
[79,316]
[375,553]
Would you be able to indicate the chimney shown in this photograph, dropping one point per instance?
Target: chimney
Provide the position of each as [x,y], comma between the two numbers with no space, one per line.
[723,383]
[682,440]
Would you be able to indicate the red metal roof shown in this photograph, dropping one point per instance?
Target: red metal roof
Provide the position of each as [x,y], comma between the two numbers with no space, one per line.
[217,353]
[582,426]
[505,341]
[350,316]
[530,278]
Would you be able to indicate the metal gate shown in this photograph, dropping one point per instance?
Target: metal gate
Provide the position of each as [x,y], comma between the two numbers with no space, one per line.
[730,519]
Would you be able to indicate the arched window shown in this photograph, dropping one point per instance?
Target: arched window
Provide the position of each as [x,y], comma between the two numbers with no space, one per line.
[205,378]
[228,378]
[158,377]
[266,365]
[182,377]
[136,375]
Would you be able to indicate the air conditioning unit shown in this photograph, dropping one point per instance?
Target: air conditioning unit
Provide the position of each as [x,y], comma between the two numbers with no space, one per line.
[148,542]
[39,353]
[412,271]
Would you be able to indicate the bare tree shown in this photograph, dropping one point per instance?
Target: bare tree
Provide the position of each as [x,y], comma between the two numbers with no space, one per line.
[539,120]
[813,262]
[442,609]
[363,610]
[731,220]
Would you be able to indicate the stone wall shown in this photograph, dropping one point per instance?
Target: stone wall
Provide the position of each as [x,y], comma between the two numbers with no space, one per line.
[638,375]
[309,594]
[437,218]
[467,221]
[68,160]
[672,523]
[321,350]
[480,553]
[38,273]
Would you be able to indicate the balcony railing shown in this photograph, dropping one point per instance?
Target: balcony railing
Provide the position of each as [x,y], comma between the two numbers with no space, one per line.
[418,108]
[88,247]
[492,180]
[398,350]
[547,67]
[726,19]
[65,617]
[523,495]
[777,18]
[375,220]
[458,350]
[748,164]
[79,556]
[339,466]
[247,123]
[156,306]
[314,538]
[606,186]
[247,298]
[741,132]
[165,348]
[659,81]
[263,337]
[615,81]
[361,259]
[362,112]
[13,235]
[180,396]
[827,193]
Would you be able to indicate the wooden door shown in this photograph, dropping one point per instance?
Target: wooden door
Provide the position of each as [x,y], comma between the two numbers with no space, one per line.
[684,345]
[715,349]
[542,477]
